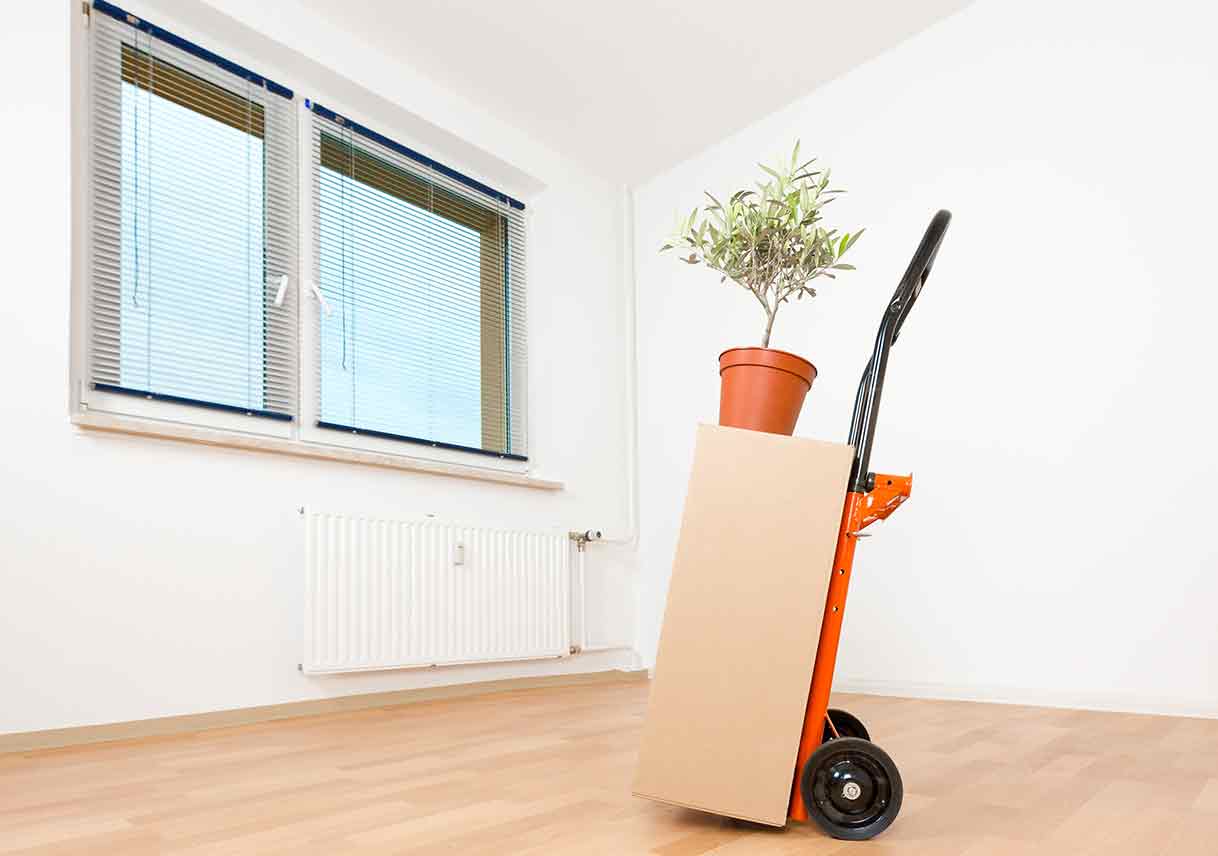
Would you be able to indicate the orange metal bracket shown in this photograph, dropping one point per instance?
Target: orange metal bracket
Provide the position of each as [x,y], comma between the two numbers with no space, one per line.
[860,511]
[883,499]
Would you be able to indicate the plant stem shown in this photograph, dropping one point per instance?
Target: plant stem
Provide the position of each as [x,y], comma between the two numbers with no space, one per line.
[769,325]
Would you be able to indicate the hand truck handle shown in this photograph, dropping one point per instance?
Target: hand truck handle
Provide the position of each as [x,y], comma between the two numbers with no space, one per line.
[871,384]
[918,271]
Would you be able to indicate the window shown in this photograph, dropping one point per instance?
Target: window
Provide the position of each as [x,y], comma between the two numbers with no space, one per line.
[191,302]
[194,222]
[421,270]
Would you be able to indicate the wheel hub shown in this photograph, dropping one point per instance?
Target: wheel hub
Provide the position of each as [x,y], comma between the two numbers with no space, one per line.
[851,787]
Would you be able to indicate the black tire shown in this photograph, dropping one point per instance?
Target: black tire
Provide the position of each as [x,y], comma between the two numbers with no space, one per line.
[851,788]
[847,725]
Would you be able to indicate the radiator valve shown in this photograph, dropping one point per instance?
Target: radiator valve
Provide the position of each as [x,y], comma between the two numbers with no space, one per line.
[581,539]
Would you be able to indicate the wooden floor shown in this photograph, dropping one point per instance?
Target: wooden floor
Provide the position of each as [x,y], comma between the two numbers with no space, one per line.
[548,772]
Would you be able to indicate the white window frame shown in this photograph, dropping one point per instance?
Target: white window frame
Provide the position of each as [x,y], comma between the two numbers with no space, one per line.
[310,403]
[85,397]
[116,412]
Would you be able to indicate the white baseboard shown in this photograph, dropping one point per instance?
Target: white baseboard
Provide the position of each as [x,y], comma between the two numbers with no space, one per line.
[1113,702]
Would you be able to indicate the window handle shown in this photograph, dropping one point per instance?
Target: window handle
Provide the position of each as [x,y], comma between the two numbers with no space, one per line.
[325,307]
[282,291]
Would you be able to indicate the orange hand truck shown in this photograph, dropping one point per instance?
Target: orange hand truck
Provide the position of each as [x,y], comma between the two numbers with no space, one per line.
[843,781]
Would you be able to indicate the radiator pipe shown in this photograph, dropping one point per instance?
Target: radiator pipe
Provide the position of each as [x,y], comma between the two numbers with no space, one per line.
[582,539]
[581,553]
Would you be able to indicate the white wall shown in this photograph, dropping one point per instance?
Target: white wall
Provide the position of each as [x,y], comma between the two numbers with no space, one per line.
[1053,389]
[145,578]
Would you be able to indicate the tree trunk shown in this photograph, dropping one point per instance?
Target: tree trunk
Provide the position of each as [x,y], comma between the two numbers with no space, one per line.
[769,325]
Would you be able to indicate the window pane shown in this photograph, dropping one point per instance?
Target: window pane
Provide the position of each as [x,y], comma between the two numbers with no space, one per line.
[401,353]
[192,274]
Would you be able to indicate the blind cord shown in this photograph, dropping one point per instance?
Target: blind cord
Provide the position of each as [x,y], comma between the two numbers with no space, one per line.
[343,263]
[429,243]
[135,171]
[249,273]
[151,90]
[354,281]
[507,336]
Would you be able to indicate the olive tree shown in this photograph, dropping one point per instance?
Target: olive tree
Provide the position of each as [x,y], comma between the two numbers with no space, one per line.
[771,239]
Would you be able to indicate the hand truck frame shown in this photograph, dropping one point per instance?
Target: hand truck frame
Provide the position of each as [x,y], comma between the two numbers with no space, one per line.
[843,781]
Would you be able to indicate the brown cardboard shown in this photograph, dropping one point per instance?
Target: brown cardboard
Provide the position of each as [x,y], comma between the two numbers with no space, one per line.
[743,618]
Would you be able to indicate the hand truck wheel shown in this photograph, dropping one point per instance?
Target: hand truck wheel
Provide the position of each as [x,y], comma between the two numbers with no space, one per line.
[846,723]
[851,788]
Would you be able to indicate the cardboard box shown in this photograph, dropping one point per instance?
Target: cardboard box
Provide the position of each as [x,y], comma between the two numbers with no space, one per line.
[742,623]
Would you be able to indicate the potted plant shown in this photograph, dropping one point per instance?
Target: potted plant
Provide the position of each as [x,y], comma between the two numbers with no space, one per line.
[771,241]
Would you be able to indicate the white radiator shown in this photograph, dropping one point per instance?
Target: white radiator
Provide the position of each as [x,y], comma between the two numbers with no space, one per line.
[383,593]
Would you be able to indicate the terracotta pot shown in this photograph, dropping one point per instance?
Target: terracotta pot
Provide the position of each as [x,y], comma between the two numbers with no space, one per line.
[762,389]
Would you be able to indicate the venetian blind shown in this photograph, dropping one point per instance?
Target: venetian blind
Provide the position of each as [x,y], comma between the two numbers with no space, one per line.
[422,274]
[193,165]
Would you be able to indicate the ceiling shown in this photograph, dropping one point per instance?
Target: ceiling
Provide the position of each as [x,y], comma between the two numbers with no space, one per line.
[633,86]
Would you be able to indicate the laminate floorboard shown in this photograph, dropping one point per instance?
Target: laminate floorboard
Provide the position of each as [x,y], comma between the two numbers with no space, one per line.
[548,771]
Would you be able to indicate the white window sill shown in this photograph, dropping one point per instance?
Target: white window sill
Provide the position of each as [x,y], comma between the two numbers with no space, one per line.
[97,421]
